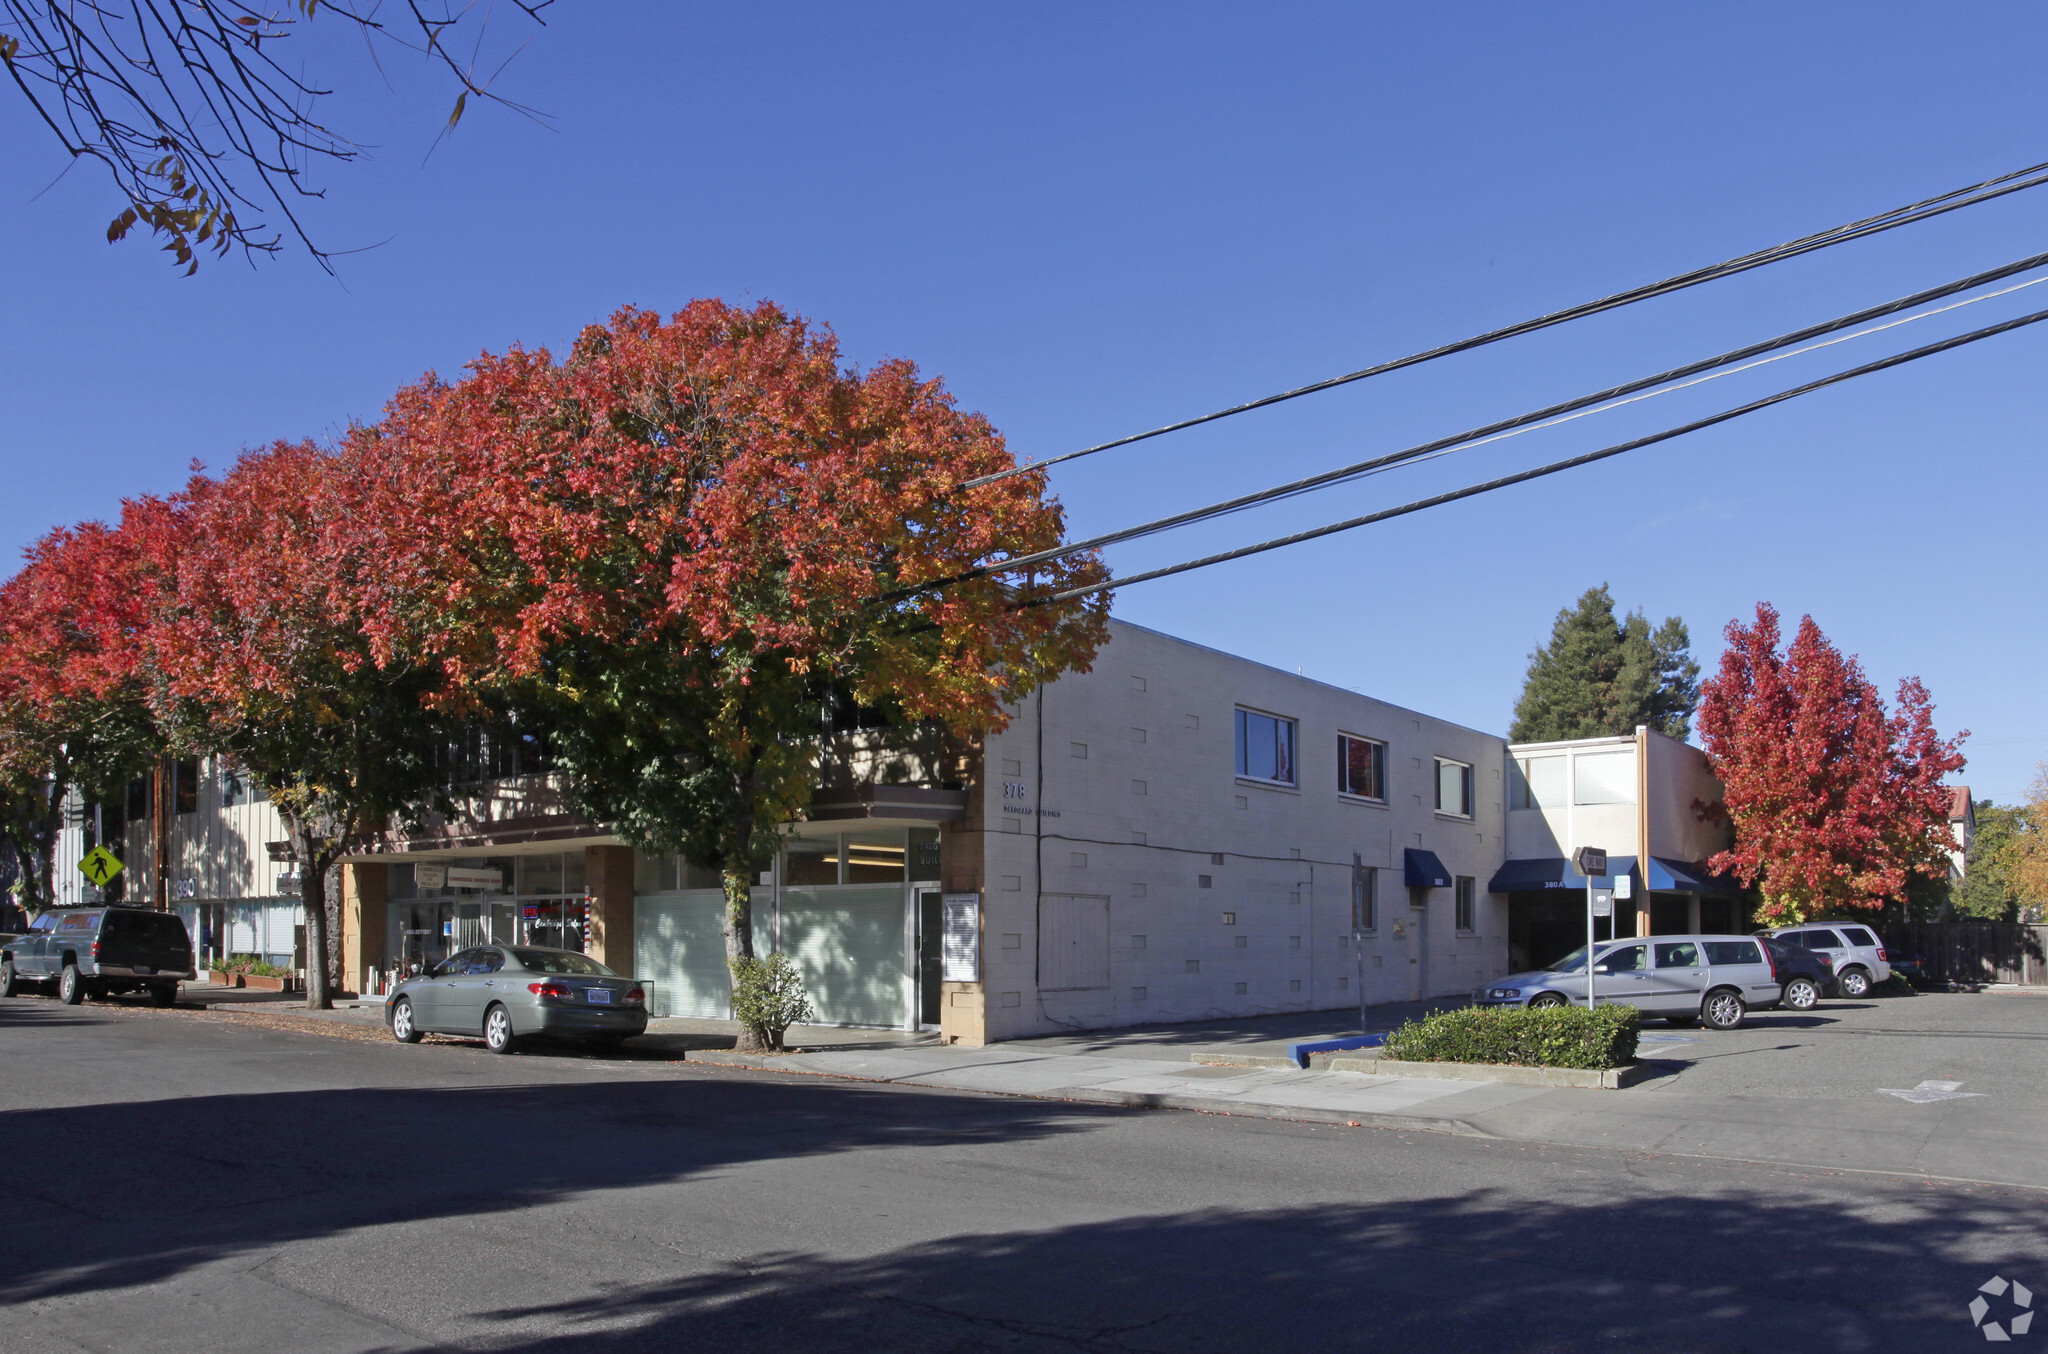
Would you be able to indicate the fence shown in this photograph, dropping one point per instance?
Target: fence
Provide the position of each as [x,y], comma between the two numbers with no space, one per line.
[1973,952]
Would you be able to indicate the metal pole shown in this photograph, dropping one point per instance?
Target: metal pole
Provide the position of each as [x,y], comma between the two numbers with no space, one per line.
[1590,999]
[1358,930]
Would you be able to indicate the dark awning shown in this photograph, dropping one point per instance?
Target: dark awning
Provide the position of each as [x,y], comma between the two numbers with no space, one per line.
[1553,872]
[1423,870]
[1676,876]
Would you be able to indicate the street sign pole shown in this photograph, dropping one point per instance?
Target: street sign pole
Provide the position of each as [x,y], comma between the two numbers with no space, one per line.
[1592,863]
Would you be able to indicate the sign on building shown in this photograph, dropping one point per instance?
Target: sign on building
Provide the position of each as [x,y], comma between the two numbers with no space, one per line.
[430,876]
[960,940]
[474,877]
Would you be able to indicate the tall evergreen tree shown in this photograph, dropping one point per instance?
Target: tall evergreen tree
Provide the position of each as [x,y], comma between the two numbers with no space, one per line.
[1599,677]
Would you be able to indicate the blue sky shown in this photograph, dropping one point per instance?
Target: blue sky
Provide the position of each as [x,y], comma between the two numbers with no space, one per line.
[1095,218]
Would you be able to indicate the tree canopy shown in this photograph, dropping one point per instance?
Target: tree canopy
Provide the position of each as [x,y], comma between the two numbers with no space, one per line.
[1837,804]
[1996,868]
[1599,677]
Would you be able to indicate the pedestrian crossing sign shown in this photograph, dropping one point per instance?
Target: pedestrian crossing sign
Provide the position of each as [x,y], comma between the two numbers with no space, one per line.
[100,865]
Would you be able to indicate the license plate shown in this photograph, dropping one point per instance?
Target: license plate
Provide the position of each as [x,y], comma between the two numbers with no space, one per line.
[600,996]
[145,968]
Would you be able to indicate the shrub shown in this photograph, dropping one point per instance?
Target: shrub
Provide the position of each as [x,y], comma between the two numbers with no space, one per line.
[768,997]
[249,964]
[1556,1036]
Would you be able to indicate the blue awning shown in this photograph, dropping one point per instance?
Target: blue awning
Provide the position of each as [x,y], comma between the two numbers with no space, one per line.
[1552,872]
[1678,877]
[1423,870]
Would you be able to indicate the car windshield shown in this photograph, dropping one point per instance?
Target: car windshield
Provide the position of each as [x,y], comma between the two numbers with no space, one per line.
[560,961]
[1572,963]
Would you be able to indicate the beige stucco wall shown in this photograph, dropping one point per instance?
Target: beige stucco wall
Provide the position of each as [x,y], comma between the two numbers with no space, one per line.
[1120,784]
[1677,779]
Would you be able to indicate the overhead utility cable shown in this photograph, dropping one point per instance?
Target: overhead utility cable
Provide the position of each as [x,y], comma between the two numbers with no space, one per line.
[1492,431]
[1570,463]
[2016,181]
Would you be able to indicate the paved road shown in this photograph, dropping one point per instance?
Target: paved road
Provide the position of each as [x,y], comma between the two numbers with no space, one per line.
[193,1181]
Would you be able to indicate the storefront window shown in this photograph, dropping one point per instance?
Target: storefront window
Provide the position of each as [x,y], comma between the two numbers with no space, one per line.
[874,857]
[811,861]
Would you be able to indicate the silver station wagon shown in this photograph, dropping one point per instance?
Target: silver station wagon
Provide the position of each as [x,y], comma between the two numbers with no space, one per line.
[506,992]
[1685,979]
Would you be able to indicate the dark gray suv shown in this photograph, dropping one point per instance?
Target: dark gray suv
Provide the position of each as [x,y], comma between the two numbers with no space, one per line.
[96,951]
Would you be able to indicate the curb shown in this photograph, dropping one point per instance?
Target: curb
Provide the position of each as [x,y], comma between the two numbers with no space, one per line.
[1585,1078]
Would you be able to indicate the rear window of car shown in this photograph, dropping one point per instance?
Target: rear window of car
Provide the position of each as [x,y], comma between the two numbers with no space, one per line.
[151,928]
[1819,940]
[1733,952]
[78,921]
[557,961]
[1859,935]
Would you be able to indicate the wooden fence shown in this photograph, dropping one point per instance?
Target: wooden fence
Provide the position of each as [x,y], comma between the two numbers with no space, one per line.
[1973,951]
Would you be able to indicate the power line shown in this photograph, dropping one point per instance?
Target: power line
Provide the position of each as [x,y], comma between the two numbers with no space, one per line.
[1570,463]
[1957,198]
[1520,422]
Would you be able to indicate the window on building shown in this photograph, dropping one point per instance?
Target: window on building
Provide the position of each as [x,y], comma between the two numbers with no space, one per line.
[138,799]
[1265,747]
[1467,893]
[1453,787]
[1361,767]
[1604,777]
[1537,782]
[185,777]
[1364,893]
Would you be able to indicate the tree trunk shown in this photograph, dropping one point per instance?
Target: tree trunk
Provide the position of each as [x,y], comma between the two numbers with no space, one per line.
[313,865]
[738,877]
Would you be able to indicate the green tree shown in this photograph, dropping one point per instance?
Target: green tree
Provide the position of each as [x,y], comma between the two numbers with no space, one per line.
[1991,887]
[1599,677]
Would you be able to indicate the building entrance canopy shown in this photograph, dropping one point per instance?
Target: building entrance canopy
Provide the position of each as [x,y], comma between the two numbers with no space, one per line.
[1663,876]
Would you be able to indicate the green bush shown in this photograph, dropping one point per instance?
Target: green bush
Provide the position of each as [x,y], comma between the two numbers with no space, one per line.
[768,997]
[249,964]
[1556,1036]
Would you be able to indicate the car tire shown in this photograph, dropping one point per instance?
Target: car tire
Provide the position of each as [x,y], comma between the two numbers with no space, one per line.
[498,1035]
[163,994]
[1854,983]
[1545,1001]
[10,982]
[1723,1010]
[402,1027]
[1802,994]
[70,986]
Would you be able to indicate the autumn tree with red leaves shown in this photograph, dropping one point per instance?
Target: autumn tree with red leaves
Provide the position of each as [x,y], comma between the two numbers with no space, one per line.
[673,545]
[72,714]
[260,654]
[1837,805]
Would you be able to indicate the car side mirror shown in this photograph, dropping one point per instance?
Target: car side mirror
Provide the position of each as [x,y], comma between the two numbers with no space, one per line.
[1603,969]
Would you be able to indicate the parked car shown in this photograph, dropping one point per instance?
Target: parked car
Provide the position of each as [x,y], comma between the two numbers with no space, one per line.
[1857,954]
[97,951]
[1685,979]
[1804,976]
[507,992]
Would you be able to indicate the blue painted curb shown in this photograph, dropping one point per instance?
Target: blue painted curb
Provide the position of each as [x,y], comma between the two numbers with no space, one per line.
[1301,1053]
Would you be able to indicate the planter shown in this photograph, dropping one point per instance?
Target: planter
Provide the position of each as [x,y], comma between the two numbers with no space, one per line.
[222,978]
[257,983]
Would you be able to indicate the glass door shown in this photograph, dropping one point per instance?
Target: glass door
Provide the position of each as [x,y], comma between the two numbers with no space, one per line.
[930,956]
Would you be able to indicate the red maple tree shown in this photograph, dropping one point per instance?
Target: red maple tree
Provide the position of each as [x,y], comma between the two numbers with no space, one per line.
[1836,803]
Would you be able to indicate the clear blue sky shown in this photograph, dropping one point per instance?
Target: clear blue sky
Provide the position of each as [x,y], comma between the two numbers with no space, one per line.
[1094,218]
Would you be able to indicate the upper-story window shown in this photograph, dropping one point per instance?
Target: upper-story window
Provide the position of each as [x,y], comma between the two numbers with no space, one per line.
[1361,767]
[1537,782]
[1604,777]
[1453,787]
[1265,747]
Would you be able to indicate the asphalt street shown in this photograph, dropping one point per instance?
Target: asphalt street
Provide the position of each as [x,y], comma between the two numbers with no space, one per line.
[186,1180]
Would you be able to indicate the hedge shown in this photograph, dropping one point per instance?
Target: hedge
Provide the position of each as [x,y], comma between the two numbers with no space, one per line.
[1556,1036]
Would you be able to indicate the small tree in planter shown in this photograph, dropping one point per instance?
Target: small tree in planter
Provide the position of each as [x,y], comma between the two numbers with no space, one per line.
[768,997]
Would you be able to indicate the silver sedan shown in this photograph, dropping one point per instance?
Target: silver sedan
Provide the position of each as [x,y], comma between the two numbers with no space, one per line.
[507,992]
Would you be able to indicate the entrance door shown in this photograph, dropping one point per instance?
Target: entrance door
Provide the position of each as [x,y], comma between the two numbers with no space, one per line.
[930,942]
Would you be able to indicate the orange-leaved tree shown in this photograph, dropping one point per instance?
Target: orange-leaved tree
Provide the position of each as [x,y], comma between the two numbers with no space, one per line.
[259,654]
[72,714]
[671,547]
[1837,804]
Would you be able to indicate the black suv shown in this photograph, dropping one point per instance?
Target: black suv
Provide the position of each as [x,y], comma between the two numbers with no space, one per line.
[95,951]
[1804,976]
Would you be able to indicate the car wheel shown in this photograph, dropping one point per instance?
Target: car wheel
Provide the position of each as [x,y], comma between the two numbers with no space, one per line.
[1545,1001]
[164,994]
[70,986]
[1855,983]
[10,985]
[498,1036]
[402,1027]
[1722,1010]
[1801,994]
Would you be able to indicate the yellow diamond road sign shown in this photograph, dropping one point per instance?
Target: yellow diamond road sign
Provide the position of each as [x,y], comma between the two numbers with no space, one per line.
[100,865]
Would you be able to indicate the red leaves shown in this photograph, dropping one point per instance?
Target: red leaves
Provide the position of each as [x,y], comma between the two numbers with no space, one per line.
[1836,803]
